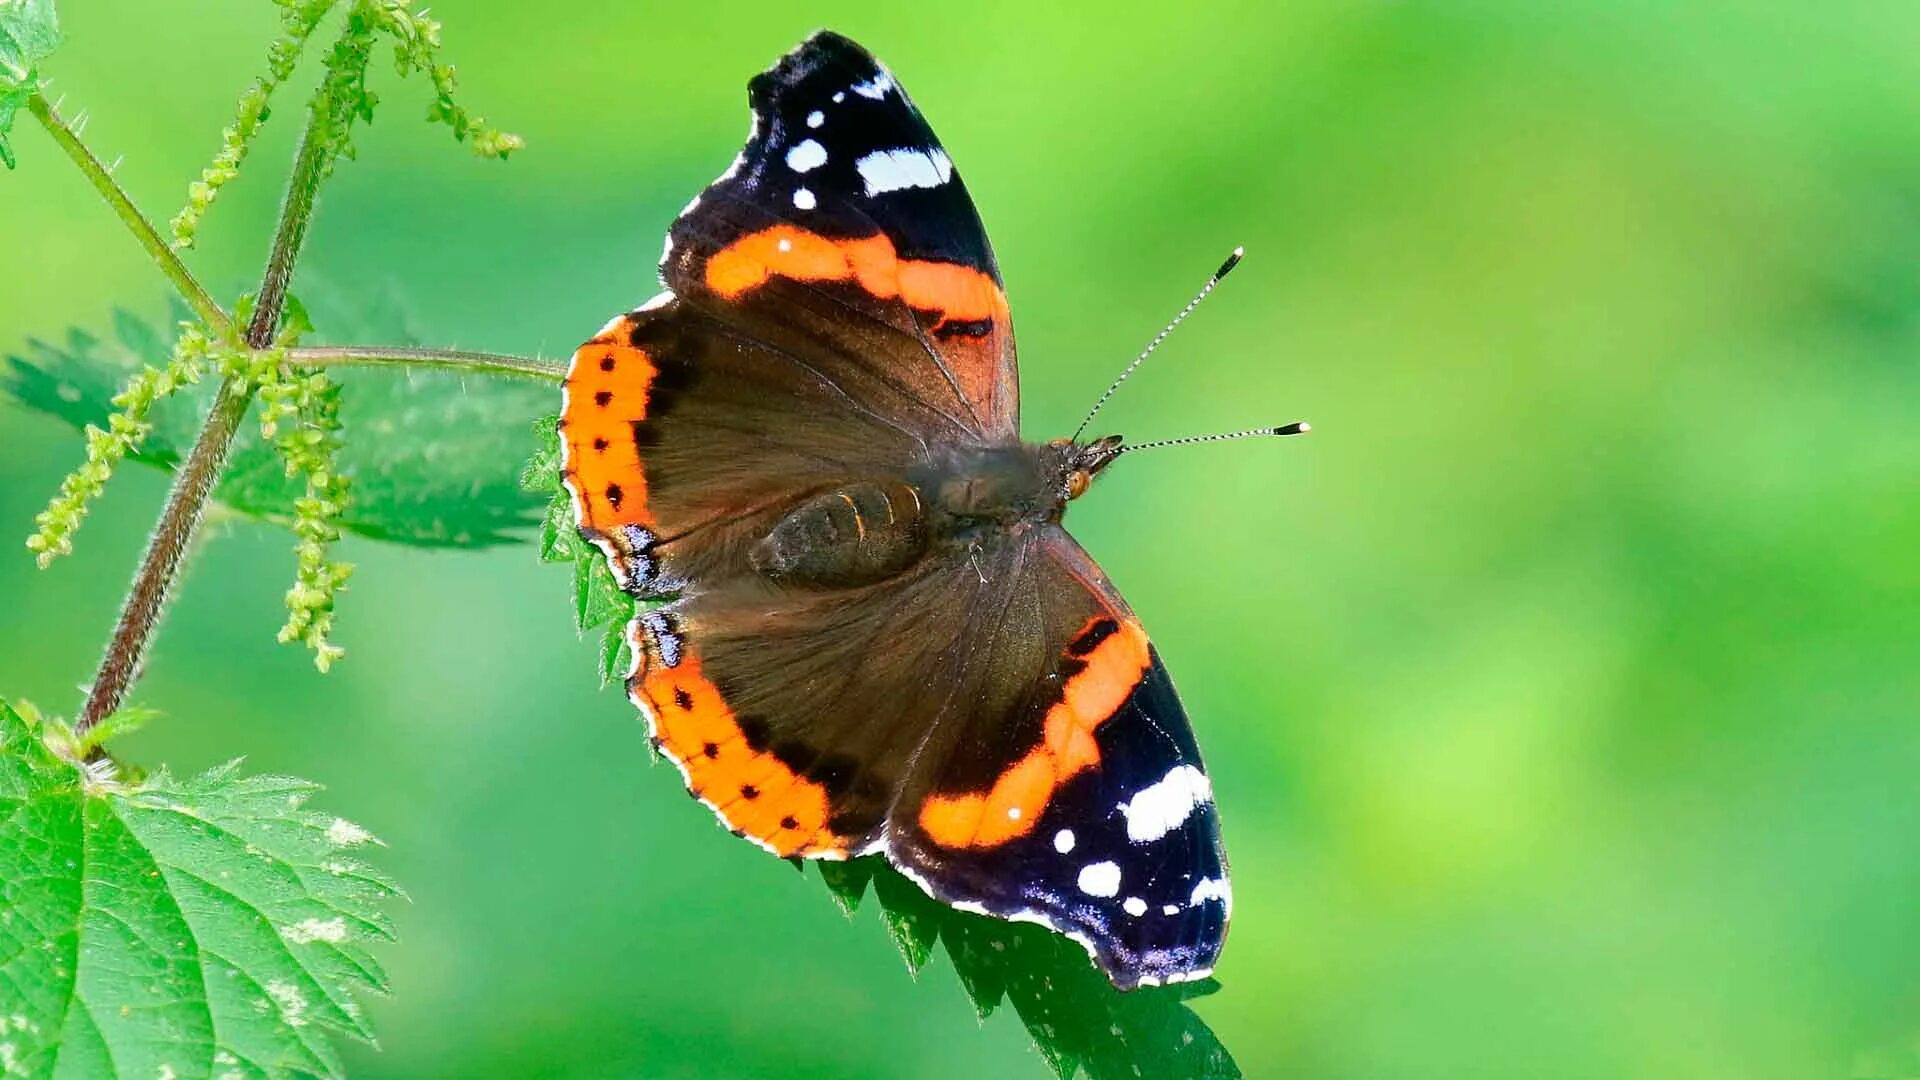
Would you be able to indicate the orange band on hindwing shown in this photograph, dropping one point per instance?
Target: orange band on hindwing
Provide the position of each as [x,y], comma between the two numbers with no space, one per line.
[753,792]
[1111,657]
[959,293]
[607,388]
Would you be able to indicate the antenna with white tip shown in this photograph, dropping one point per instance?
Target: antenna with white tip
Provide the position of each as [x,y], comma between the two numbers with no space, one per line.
[1298,427]
[1226,268]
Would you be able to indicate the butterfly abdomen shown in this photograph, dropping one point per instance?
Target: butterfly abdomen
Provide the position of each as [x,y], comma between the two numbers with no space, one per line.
[855,534]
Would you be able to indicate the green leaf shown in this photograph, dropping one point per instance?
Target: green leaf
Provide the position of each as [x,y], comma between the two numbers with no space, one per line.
[125,720]
[432,455]
[912,918]
[176,928]
[75,382]
[979,958]
[847,881]
[598,601]
[29,30]
[1079,1022]
[11,99]
[559,541]
[616,655]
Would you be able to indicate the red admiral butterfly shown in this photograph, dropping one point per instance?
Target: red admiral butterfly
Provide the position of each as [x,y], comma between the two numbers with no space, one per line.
[877,636]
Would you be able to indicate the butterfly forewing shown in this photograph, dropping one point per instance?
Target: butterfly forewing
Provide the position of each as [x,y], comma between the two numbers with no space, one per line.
[843,231]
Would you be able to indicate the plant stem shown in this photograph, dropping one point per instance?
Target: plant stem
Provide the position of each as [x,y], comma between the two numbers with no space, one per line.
[163,256]
[171,538]
[309,167]
[529,367]
[194,482]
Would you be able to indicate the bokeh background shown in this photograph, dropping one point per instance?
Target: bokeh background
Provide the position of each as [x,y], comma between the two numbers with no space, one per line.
[1559,692]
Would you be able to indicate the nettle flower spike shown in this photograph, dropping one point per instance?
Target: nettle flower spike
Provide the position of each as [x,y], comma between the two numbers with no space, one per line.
[299,18]
[126,431]
[300,415]
[416,48]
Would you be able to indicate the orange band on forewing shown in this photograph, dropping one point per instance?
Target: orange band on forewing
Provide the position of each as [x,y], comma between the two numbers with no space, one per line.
[959,293]
[607,386]
[751,790]
[1012,806]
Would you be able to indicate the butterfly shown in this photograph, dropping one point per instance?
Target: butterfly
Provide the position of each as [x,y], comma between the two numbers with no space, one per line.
[874,634]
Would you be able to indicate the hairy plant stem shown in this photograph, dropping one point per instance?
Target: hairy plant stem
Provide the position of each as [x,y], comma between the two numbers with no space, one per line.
[526,367]
[163,256]
[180,520]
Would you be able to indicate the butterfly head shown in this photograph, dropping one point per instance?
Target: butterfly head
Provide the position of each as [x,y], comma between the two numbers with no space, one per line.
[1076,464]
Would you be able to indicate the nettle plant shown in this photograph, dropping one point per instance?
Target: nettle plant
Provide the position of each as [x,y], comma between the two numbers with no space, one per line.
[152,926]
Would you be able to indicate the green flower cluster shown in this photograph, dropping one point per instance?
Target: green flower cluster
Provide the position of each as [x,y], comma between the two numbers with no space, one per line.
[126,430]
[344,97]
[309,449]
[308,404]
[299,17]
[300,416]
[300,407]
[416,48]
[416,45]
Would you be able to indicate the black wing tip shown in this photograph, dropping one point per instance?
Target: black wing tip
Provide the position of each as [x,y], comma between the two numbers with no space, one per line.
[825,39]
[820,49]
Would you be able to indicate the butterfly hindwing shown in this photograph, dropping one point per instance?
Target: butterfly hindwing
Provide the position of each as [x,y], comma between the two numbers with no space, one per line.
[1084,806]
[997,725]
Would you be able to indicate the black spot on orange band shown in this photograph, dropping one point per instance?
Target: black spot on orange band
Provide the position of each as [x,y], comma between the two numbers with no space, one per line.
[751,790]
[609,389]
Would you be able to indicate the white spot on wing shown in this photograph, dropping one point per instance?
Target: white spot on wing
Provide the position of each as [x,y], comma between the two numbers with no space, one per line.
[907,167]
[839,96]
[1063,841]
[1212,889]
[816,118]
[1013,813]
[875,88]
[1161,807]
[807,156]
[784,244]
[1134,906]
[1170,909]
[804,199]
[1100,879]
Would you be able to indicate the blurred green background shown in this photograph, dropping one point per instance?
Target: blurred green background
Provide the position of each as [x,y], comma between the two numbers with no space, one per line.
[1559,691]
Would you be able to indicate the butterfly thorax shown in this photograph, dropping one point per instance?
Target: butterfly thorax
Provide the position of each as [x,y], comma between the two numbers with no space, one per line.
[866,531]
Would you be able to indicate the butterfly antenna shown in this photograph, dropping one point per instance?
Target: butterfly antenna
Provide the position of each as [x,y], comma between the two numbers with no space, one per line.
[1233,260]
[1298,427]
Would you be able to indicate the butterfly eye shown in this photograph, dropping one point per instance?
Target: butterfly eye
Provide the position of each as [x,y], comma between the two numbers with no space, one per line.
[1077,483]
